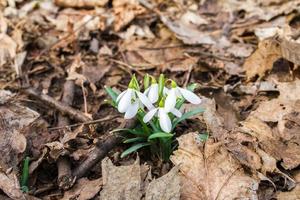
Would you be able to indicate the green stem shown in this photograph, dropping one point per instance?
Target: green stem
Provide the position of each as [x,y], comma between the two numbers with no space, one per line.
[25,175]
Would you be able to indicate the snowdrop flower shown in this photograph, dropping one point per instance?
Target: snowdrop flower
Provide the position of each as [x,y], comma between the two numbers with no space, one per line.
[130,100]
[164,119]
[180,92]
[152,93]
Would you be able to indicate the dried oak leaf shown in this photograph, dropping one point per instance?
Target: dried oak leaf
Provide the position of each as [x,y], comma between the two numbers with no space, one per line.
[84,189]
[80,3]
[210,172]
[122,182]
[166,187]
[262,59]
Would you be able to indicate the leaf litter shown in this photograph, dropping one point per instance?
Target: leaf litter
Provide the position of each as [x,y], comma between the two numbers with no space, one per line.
[243,55]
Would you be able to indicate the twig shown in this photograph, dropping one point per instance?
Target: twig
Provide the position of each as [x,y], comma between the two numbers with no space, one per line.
[188,76]
[62,107]
[96,155]
[65,179]
[100,151]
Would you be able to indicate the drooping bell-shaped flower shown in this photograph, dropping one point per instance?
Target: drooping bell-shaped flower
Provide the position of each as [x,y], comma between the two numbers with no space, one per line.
[163,117]
[130,100]
[176,92]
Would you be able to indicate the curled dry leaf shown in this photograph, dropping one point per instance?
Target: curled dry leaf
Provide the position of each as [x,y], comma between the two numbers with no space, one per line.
[294,193]
[80,3]
[84,189]
[8,48]
[210,172]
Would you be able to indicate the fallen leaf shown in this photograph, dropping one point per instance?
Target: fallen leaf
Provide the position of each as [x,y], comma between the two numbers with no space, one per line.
[294,193]
[123,182]
[165,187]
[262,59]
[84,189]
[8,48]
[125,11]
[9,184]
[209,172]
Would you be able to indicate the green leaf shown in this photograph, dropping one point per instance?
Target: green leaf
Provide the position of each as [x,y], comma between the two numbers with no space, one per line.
[161,85]
[111,93]
[160,135]
[25,175]
[146,81]
[187,115]
[132,131]
[191,88]
[137,139]
[134,148]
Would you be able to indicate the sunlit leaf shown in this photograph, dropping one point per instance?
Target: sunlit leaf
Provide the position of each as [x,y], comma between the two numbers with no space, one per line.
[160,135]
[133,149]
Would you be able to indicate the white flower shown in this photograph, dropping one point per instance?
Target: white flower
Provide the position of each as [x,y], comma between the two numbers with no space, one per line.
[152,93]
[130,100]
[164,119]
[180,92]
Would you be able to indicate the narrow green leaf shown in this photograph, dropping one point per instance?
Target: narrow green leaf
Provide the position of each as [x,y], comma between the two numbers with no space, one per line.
[132,131]
[137,139]
[25,175]
[187,115]
[160,135]
[161,85]
[146,81]
[133,149]
[111,93]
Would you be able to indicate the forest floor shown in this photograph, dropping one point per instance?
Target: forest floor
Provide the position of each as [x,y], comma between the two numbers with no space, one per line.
[57,56]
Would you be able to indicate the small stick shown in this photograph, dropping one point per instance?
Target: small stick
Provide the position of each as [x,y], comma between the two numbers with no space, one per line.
[62,107]
[100,151]
[65,179]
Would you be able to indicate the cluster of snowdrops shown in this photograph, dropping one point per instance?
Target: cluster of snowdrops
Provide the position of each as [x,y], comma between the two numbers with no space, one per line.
[158,110]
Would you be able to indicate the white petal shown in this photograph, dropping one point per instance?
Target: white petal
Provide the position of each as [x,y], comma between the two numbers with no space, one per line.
[170,100]
[120,95]
[145,100]
[153,93]
[147,91]
[176,112]
[166,91]
[125,101]
[164,121]
[190,96]
[132,110]
[149,115]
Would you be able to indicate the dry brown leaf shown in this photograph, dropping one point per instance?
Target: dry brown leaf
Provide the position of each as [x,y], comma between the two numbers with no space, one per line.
[15,120]
[123,182]
[84,189]
[9,184]
[294,193]
[125,11]
[80,3]
[8,48]
[210,172]
[166,187]
[262,59]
